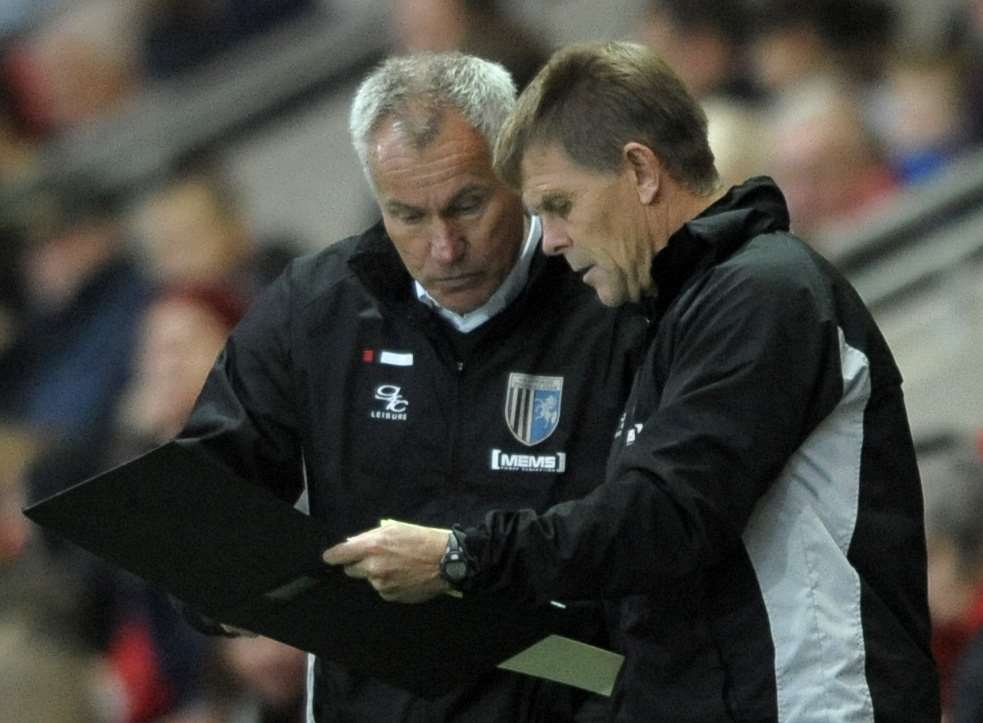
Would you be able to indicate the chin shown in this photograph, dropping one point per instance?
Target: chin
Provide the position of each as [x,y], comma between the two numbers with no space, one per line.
[610,296]
[463,307]
[609,299]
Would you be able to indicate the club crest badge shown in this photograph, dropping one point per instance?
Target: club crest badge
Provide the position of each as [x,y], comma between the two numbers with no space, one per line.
[532,406]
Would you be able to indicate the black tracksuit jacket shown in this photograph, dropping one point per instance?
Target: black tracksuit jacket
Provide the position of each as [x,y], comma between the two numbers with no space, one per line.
[762,514]
[339,372]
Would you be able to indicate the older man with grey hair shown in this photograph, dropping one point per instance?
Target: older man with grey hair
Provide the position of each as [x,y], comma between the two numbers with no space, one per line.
[429,369]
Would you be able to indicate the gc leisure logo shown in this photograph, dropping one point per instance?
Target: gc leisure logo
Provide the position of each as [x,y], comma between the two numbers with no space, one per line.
[392,404]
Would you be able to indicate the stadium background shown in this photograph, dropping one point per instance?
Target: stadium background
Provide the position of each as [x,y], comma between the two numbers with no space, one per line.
[201,143]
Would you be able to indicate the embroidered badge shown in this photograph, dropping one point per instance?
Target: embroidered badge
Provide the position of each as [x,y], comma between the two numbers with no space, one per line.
[532,406]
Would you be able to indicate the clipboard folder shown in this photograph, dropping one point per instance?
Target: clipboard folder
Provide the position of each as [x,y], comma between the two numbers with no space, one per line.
[236,553]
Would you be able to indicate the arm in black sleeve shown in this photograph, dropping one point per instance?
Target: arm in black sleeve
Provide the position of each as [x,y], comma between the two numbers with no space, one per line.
[754,367]
[246,416]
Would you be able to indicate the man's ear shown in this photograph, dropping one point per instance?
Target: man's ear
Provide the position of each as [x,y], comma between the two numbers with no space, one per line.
[645,170]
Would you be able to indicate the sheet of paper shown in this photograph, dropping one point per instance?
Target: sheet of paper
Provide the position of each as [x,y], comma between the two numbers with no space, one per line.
[568,661]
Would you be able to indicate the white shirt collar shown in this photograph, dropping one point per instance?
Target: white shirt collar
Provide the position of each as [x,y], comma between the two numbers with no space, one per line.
[504,294]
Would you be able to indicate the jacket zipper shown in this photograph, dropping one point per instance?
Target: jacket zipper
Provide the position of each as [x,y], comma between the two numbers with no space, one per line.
[454,480]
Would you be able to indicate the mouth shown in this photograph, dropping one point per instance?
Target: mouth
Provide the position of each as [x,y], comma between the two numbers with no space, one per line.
[583,271]
[458,278]
[458,282]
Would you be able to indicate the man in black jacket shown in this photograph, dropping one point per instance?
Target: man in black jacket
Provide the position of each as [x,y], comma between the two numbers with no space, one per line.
[425,370]
[761,520]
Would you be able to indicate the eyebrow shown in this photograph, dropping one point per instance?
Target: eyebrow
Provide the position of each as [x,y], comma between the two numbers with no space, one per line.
[550,202]
[400,207]
[394,206]
[463,193]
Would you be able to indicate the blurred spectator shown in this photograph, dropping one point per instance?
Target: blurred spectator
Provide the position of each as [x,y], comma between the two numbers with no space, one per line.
[249,680]
[86,299]
[45,672]
[476,27]
[154,654]
[704,40]
[738,138]
[788,47]
[795,40]
[86,59]
[153,660]
[967,41]
[18,152]
[155,657]
[12,293]
[923,120]
[17,450]
[70,360]
[975,75]
[861,34]
[42,680]
[196,231]
[184,329]
[182,34]
[826,159]
[953,500]
[271,678]
[19,169]
[78,65]
[16,14]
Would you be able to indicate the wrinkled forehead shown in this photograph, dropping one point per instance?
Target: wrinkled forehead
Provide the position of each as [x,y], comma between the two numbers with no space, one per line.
[456,159]
[546,170]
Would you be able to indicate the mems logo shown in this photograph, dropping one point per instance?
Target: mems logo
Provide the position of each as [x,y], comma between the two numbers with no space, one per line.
[503,461]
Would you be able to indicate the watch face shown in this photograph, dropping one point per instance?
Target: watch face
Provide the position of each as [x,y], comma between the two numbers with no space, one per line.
[455,570]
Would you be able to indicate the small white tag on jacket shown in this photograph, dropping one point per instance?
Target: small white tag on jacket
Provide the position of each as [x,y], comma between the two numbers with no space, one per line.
[396,359]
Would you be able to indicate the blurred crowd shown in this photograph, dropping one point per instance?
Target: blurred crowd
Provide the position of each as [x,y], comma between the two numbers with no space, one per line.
[827,97]
[110,345]
[114,302]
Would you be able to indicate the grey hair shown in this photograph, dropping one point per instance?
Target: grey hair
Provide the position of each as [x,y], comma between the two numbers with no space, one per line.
[427,84]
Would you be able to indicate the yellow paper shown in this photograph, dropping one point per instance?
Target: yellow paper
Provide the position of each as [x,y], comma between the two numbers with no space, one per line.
[568,661]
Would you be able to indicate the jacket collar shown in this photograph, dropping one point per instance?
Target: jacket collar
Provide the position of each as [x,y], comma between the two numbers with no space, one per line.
[379,267]
[745,211]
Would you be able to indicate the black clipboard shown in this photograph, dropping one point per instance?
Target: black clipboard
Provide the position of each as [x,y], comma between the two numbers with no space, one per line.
[236,553]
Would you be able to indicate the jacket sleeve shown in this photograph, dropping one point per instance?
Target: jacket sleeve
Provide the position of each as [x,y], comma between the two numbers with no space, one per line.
[246,416]
[753,366]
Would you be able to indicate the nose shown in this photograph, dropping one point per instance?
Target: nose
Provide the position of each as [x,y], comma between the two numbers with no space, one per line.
[555,239]
[448,244]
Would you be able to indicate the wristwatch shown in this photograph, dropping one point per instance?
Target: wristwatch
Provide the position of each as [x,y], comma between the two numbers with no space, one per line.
[456,565]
